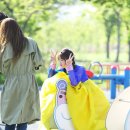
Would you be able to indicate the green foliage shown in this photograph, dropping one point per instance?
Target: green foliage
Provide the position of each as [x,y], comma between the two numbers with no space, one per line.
[40,78]
[85,35]
[76,34]
[28,13]
[2,78]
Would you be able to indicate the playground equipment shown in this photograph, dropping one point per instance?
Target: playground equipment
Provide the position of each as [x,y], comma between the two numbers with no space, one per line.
[114,78]
[118,117]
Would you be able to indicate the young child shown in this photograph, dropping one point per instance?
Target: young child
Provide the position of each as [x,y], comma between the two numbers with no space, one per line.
[20,57]
[67,64]
[69,94]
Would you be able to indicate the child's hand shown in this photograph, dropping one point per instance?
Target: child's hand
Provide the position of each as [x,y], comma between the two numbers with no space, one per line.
[69,62]
[53,56]
[53,59]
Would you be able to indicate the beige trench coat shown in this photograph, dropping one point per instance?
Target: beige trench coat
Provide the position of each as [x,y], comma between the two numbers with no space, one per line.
[20,95]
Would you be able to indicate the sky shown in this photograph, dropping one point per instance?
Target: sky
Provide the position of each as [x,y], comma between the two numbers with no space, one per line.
[73,11]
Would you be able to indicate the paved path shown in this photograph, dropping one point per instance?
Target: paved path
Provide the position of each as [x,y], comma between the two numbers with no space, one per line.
[30,127]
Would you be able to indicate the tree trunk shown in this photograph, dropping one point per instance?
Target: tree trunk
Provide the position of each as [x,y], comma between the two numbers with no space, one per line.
[108,45]
[118,36]
[129,49]
[128,32]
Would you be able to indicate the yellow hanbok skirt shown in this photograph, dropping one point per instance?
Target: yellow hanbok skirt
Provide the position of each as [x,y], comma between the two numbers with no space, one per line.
[87,104]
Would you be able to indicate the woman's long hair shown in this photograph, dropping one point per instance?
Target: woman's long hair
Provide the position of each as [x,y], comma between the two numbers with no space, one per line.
[10,32]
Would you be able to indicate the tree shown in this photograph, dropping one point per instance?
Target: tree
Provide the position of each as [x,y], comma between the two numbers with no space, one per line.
[117,7]
[30,14]
[109,22]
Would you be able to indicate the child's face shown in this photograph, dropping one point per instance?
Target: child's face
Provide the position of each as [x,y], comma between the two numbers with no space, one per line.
[62,63]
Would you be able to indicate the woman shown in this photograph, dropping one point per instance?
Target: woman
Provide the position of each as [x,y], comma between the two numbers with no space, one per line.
[19,57]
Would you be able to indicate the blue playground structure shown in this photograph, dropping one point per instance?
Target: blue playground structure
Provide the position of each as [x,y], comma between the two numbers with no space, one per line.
[114,78]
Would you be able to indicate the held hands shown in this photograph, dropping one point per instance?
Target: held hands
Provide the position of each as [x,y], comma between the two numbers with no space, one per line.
[53,59]
[69,62]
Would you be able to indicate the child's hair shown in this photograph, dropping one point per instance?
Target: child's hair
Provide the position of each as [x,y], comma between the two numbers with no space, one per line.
[10,32]
[3,16]
[65,53]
